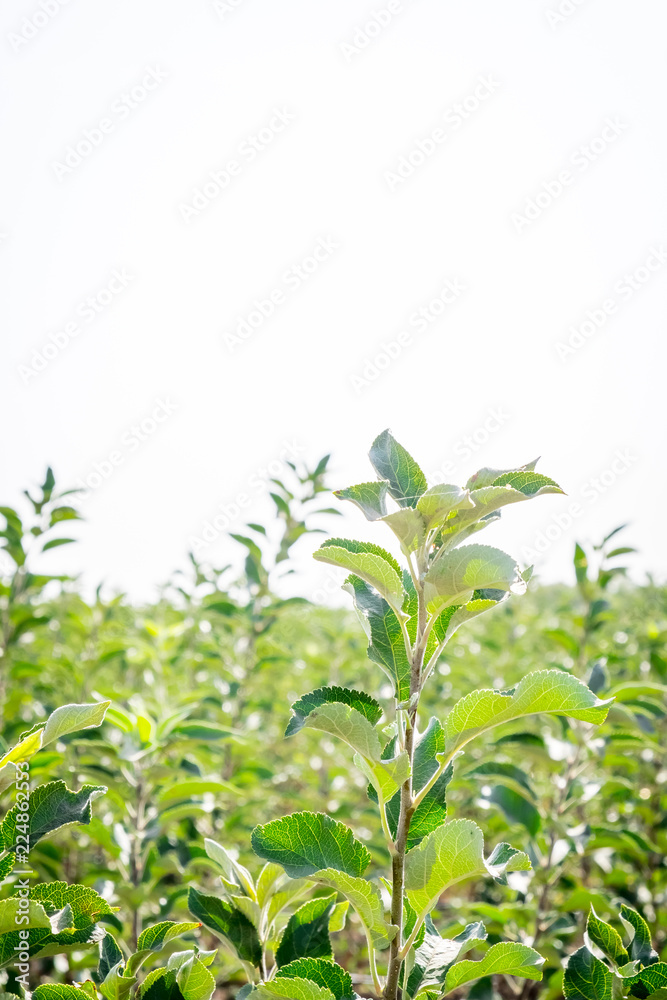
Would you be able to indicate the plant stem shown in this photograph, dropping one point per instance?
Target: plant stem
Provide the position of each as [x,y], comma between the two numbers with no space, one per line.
[391,990]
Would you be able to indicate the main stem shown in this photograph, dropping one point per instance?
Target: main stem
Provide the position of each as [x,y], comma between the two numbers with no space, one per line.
[391,990]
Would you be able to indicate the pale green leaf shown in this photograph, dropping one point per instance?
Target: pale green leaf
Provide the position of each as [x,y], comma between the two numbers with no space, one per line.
[73,718]
[370,562]
[455,576]
[507,957]
[370,498]
[440,501]
[453,853]
[358,700]
[366,900]
[551,691]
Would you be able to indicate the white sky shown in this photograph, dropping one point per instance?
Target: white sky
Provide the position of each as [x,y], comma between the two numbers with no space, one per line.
[220,73]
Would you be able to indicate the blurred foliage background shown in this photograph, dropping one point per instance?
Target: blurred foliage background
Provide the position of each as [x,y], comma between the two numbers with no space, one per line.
[201,682]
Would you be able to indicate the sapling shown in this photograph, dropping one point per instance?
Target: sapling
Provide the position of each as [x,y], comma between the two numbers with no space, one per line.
[409,613]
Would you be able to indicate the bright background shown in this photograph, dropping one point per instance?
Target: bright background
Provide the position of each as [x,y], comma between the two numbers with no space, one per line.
[556,82]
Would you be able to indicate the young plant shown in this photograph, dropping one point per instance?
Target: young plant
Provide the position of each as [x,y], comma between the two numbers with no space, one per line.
[409,614]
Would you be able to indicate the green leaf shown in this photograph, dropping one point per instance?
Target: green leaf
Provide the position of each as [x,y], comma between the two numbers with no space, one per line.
[55,542]
[387,646]
[234,872]
[56,991]
[453,853]
[24,750]
[370,562]
[409,526]
[6,865]
[366,900]
[517,808]
[228,922]
[435,955]
[451,619]
[353,728]
[507,957]
[586,978]
[110,955]
[73,718]
[194,980]
[455,576]
[392,462]
[438,503]
[551,691]
[160,984]
[640,947]
[51,806]
[322,973]
[487,477]
[606,938]
[304,843]
[649,981]
[370,498]
[531,484]
[61,918]
[291,989]
[307,932]
[359,700]
[154,938]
